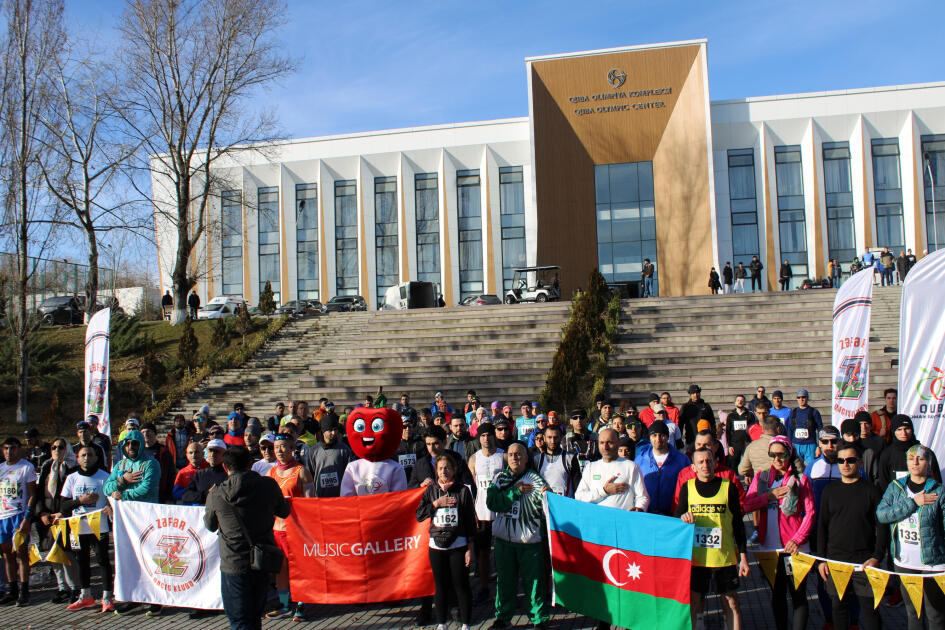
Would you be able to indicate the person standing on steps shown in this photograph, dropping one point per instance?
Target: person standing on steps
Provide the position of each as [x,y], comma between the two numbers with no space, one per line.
[193,301]
[714,283]
[784,275]
[647,273]
[755,266]
[740,274]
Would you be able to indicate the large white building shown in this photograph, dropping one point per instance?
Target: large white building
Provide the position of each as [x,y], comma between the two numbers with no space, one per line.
[622,157]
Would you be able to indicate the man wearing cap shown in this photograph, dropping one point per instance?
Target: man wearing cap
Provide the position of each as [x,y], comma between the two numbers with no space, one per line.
[850,432]
[483,466]
[822,472]
[778,410]
[693,410]
[660,464]
[503,432]
[105,441]
[266,448]
[802,426]
[83,431]
[606,416]
[205,479]
[675,435]
[882,418]
[581,441]
[251,438]
[195,463]
[867,438]
[647,416]
[893,461]
[541,421]
[437,400]
[329,459]
[411,445]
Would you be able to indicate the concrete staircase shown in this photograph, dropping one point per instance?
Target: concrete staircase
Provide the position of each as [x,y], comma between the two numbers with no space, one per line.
[503,352]
[730,344]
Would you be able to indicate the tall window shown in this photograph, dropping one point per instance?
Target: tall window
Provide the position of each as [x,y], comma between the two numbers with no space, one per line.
[933,158]
[792,225]
[626,222]
[512,208]
[306,240]
[741,192]
[887,189]
[346,237]
[428,227]
[232,228]
[385,235]
[268,204]
[839,194]
[470,233]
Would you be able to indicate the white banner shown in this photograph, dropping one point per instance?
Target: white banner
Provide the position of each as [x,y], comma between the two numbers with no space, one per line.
[96,370]
[851,347]
[922,351]
[165,555]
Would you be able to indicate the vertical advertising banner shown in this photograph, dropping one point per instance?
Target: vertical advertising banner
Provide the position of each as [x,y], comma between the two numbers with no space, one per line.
[851,347]
[96,369]
[922,351]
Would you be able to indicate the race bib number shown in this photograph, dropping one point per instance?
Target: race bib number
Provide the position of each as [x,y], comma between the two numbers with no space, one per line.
[483,481]
[740,425]
[446,517]
[328,480]
[709,537]
[514,510]
[9,489]
[909,531]
[408,460]
[801,434]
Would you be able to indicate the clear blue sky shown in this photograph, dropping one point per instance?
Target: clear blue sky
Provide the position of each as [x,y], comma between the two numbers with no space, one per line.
[367,65]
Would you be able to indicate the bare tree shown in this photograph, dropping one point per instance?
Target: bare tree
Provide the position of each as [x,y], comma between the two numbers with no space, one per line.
[192,66]
[87,157]
[31,42]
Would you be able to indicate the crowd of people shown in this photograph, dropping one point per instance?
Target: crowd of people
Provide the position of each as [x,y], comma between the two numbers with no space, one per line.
[865,493]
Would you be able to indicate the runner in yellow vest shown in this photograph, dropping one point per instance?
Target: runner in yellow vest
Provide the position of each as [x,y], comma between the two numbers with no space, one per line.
[718,547]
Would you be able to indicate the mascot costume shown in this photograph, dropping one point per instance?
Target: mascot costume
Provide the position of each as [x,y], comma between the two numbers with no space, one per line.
[374,435]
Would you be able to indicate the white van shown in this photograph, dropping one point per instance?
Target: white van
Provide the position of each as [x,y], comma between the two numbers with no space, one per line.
[220,307]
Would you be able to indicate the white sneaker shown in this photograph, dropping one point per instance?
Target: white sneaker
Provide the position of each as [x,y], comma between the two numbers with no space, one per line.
[441,626]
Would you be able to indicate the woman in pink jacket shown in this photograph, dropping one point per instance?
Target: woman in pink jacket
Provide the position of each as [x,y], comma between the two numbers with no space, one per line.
[784,500]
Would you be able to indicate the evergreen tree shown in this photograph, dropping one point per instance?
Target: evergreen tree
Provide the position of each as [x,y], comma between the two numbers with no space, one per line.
[267,303]
[187,346]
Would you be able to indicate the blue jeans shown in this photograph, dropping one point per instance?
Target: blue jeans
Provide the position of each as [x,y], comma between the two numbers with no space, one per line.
[648,287]
[244,598]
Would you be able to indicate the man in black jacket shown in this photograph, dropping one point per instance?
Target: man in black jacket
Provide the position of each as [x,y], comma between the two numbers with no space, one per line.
[200,485]
[691,412]
[755,266]
[423,473]
[728,278]
[256,501]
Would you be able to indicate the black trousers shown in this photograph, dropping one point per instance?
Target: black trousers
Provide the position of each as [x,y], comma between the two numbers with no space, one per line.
[450,572]
[783,587]
[244,598]
[858,588]
[86,542]
[755,279]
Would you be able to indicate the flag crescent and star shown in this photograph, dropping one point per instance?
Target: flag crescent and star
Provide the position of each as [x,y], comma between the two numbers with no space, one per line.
[633,569]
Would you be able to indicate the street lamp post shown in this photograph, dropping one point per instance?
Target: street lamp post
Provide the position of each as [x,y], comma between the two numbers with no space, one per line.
[928,165]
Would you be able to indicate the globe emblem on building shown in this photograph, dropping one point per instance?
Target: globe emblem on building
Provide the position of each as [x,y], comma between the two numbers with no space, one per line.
[616,77]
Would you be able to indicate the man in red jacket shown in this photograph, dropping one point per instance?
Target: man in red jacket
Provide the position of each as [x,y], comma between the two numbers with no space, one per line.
[705,439]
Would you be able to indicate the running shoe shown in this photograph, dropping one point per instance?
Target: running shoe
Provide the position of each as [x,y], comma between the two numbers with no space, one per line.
[108,606]
[279,613]
[81,604]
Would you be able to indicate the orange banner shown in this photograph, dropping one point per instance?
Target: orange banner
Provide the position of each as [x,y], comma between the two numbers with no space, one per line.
[358,550]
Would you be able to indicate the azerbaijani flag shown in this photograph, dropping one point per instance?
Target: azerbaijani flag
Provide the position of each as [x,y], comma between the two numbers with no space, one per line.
[630,569]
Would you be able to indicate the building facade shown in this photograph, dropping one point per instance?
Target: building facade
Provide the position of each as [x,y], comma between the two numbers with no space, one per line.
[622,158]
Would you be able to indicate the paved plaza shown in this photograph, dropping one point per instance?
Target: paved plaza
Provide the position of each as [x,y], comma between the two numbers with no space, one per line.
[42,615]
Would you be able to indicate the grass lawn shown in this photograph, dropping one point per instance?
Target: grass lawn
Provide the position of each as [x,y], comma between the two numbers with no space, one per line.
[127,392]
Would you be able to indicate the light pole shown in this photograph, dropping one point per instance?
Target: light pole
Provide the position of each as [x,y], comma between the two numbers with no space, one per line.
[928,165]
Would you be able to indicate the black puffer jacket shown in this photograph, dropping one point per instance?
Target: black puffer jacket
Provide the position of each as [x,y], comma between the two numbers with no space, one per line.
[458,520]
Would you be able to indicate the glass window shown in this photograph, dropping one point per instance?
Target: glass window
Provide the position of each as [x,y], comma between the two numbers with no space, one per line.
[470,233]
[741,192]
[232,245]
[268,205]
[346,238]
[385,235]
[791,222]
[428,227]
[933,173]
[838,188]
[306,240]
[512,208]
[887,189]
[626,220]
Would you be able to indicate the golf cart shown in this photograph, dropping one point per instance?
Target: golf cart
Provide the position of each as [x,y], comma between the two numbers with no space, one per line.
[534,284]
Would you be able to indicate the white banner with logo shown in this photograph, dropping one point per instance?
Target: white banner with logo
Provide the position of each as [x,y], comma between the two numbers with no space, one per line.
[922,351]
[851,347]
[96,369]
[165,555]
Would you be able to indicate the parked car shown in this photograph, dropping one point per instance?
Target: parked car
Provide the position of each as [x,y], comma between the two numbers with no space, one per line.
[315,307]
[534,284]
[345,303]
[63,309]
[221,307]
[481,300]
[412,294]
[293,307]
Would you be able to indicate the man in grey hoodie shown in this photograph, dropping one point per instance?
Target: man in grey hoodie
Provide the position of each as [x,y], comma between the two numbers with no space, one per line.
[328,460]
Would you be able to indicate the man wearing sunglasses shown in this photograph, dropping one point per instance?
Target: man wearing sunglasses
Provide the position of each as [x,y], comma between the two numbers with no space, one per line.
[848,531]
[822,472]
[268,453]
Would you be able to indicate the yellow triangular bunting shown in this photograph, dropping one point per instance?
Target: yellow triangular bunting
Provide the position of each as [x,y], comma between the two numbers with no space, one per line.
[75,526]
[19,539]
[841,574]
[800,567]
[56,530]
[34,554]
[58,555]
[95,523]
[878,580]
[940,580]
[768,560]
[913,585]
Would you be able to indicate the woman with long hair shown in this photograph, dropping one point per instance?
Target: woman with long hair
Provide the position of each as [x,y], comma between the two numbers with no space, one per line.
[52,477]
